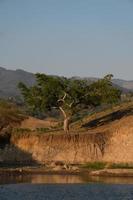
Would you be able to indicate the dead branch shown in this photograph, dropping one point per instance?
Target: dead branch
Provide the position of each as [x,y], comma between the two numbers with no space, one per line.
[63,112]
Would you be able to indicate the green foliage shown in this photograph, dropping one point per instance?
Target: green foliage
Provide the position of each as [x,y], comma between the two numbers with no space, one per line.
[103,165]
[22,130]
[44,96]
[103,92]
[120,166]
[31,97]
[42,130]
[94,165]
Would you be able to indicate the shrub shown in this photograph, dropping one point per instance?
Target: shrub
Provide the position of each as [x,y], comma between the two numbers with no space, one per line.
[121,166]
[94,165]
[10,115]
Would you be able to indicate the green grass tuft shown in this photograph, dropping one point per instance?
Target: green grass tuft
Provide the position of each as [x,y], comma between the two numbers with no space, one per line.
[94,165]
[121,166]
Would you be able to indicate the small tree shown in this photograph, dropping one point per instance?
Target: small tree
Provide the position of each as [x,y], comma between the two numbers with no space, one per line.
[68,95]
[103,91]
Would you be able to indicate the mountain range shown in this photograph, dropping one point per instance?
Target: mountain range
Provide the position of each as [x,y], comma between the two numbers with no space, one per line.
[9,80]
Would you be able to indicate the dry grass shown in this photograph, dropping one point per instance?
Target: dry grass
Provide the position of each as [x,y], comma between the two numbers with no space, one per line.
[10,115]
[34,123]
[97,122]
[104,119]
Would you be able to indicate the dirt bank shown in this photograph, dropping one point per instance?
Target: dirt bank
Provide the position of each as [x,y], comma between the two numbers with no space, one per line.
[113,144]
[105,137]
[113,173]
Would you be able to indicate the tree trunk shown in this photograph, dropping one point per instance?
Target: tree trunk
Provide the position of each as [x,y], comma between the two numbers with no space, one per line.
[66,124]
[66,120]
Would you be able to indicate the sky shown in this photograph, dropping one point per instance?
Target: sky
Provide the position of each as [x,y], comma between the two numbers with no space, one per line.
[88,38]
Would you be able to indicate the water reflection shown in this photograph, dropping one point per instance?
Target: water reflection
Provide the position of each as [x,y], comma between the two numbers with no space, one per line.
[36,179]
[113,180]
[57,179]
[63,179]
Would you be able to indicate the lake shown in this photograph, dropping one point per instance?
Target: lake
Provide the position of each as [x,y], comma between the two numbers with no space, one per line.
[65,187]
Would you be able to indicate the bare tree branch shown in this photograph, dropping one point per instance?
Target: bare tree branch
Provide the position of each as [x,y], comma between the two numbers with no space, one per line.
[63,112]
[71,104]
[64,96]
[63,99]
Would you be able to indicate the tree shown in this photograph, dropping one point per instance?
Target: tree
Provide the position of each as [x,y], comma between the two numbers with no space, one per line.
[103,91]
[54,92]
[69,96]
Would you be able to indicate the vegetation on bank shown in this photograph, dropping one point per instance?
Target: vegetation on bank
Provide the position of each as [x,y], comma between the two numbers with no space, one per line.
[121,166]
[69,96]
[10,114]
[104,165]
[86,106]
[11,117]
[94,165]
[78,101]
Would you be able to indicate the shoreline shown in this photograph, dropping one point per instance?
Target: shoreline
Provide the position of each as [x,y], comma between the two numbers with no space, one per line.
[14,171]
[38,170]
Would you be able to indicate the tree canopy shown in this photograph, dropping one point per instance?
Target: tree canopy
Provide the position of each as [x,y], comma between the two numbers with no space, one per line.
[68,95]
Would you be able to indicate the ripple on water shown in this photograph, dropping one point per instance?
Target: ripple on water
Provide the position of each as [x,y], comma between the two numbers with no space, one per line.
[66,192]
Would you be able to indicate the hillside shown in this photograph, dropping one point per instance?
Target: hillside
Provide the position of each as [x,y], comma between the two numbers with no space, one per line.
[9,80]
[123,83]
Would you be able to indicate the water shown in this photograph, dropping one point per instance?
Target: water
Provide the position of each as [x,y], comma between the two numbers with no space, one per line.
[66,192]
[65,187]
[62,179]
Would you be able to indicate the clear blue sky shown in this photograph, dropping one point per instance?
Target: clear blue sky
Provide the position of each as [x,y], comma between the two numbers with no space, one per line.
[68,37]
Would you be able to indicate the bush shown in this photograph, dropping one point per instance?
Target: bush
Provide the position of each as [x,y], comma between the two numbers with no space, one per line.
[94,165]
[9,114]
[121,166]
[22,130]
[42,130]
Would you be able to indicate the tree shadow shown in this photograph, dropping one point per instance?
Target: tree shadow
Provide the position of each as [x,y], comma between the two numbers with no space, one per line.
[108,118]
[12,156]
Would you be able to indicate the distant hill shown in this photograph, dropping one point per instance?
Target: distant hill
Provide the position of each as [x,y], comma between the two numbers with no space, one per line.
[124,84]
[9,80]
